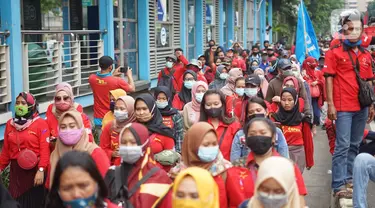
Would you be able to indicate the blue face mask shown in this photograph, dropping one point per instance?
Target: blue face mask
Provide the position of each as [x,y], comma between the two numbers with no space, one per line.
[350,44]
[199,97]
[81,203]
[250,92]
[240,91]
[208,154]
[189,84]
[161,105]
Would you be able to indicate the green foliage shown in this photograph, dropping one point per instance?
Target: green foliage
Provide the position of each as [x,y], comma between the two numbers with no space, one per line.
[371,9]
[50,5]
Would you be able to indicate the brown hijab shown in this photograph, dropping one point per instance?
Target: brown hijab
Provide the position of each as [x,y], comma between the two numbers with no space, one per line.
[193,139]
[82,145]
[129,103]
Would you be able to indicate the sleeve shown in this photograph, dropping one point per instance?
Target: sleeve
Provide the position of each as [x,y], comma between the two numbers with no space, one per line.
[176,103]
[102,162]
[235,152]
[179,131]
[105,141]
[44,149]
[159,75]
[4,156]
[270,92]
[183,59]
[304,95]
[124,85]
[300,182]
[185,116]
[281,145]
[330,63]
[88,127]
[229,105]
[308,144]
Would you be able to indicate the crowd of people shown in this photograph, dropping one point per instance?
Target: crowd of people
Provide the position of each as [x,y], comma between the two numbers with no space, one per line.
[232,128]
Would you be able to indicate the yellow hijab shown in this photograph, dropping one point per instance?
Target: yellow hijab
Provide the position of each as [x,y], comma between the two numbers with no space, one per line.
[117,93]
[282,170]
[207,188]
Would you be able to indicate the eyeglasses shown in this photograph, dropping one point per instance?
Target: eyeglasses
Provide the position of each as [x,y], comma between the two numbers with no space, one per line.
[65,98]
[189,79]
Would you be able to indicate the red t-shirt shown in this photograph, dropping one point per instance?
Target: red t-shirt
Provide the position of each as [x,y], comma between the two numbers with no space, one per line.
[345,86]
[293,135]
[234,105]
[101,85]
[179,70]
[168,121]
[34,138]
[226,145]
[177,103]
[109,141]
[240,183]
[159,142]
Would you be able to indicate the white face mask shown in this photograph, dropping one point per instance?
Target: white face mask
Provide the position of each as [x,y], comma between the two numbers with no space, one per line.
[199,97]
[273,201]
[169,64]
[120,115]
[131,154]
[250,92]
[224,76]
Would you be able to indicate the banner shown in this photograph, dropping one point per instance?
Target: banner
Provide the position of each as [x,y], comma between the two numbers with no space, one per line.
[306,41]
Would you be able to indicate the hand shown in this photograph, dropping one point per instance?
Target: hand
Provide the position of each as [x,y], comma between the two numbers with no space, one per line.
[276,99]
[129,73]
[39,178]
[115,153]
[117,72]
[314,83]
[371,114]
[331,112]
[178,53]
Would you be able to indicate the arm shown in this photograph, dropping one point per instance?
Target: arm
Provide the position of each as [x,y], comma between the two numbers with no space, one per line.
[105,141]
[281,145]
[304,95]
[270,93]
[88,127]
[179,131]
[211,59]
[329,71]
[44,150]
[129,74]
[5,157]
[183,59]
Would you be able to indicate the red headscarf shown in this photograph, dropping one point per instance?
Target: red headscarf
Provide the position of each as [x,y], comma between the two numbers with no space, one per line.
[295,82]
[309,65]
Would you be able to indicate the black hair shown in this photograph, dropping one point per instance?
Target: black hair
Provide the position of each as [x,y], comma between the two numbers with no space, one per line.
[257,100]
[84,161]
[222,117]
[216,58]
[254,47]
[266,41]
[239,79]
[178,49]
[270,125]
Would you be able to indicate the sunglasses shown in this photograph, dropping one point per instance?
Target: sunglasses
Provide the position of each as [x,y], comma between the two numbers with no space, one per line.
[65,98]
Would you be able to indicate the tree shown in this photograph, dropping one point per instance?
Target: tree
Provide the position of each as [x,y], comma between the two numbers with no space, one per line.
[51,6]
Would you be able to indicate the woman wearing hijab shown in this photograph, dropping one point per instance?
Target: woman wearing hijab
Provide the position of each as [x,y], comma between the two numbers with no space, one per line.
[276,185]
[64,101]
[200,148]
[212,110]
[194,187]
[229,89]
[264,82]
[138,181]
[234,104]
[184,96]
[26,149]
[220,78]
[113,96]
[109,139]
[260,138]
[316,83]
[291,120]
[148,114]
[72,136]
[191,110]
[171,117]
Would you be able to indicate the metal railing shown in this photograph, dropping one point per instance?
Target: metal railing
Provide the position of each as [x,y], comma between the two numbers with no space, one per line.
[48,63]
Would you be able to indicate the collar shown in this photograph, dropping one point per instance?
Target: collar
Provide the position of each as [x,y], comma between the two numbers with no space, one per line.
[103,75]
[220,123]
[347,48]
[251,158]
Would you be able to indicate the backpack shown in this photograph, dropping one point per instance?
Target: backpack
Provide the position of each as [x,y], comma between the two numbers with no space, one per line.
[120,193]
[167,80]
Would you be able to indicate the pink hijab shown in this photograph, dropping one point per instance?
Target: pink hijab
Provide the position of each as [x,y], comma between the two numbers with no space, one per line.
[230,87]
[264,82]
[193,107]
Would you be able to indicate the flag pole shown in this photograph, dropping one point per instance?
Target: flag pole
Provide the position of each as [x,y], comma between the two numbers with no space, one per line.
[304,27]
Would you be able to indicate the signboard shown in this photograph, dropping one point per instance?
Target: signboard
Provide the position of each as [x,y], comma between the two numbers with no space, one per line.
[162,10]
[31,15]
[163,36]
[86,3]
[76,16]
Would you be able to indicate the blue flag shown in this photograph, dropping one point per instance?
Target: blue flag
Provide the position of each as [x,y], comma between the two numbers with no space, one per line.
[306,41]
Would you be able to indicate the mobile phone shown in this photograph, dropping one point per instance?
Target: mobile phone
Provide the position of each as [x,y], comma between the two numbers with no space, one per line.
[124,69]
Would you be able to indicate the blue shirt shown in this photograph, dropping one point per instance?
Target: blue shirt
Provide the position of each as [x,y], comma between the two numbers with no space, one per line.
[264,66]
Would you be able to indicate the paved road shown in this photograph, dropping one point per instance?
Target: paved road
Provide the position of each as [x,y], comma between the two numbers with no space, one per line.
[318,181]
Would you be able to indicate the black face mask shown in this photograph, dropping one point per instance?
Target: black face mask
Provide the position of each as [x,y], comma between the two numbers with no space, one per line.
[112,106]
[260,145]
[257,115]
[213,112]
[270,54]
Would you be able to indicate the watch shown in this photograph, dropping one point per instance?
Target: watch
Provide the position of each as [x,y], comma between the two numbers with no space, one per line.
[41,169]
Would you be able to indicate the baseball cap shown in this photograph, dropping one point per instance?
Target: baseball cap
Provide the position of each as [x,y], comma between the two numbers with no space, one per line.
[195,62]
[270,48]
[201,55]
[253,79]
[230,49]
[105,62]
[173,57]
[284,63]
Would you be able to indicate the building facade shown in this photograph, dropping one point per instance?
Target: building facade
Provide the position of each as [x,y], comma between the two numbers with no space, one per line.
[41,46]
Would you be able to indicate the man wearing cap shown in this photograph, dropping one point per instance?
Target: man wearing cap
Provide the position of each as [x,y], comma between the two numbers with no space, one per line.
[271,54]
[104,81]
[252,89]
[342,91]
[174,69]
[255,54]
[195,66]
[284,68]
[264,64]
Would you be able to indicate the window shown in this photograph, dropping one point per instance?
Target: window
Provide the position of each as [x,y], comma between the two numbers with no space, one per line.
[163,24]
[238,19]
[225,24]
[210,21]
[126,34]
[191,29]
